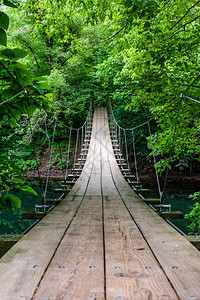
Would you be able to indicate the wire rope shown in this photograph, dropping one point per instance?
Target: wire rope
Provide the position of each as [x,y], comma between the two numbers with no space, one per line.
[36,158]
[154,158]
[49,167]
[126,148]
[135,157]
[4,102]
[184,96]
[76,149]
[68,153]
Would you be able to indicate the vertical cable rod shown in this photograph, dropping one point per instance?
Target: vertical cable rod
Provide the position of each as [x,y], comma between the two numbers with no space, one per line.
[154,158]
[68,153]
[75,155]
[49,167]
[135,157]
[126,148]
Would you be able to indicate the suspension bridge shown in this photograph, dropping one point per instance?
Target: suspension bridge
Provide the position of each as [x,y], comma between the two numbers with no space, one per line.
[102,241]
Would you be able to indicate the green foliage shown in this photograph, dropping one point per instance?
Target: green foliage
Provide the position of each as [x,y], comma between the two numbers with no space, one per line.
[21,93]
[193,217]
[132,53]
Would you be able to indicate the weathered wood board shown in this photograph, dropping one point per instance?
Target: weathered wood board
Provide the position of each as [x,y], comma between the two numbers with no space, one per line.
[101,242]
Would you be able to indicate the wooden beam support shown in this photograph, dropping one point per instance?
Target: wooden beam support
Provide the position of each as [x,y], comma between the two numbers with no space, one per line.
[61,190]
[68,182]
[129,176]
[140,190]
[152,201]
[132,182]
[53,201]
[73,175]
[195,241]
[171,215]
[33,215]
[7,241]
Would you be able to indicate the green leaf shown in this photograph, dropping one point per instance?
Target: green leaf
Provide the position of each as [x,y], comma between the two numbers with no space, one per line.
[44,85]
[9,3]
[28,189]
[13,54]
[19,53]
[15,200]
[16,114]
[8,53]
[6,202]
[31,109]
[41,91]
[17,181]
[4,20]
[3,37]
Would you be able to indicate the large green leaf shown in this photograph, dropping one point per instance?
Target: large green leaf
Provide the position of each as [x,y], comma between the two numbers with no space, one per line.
[9,3]
[41,91]
[17,180]
[15,200]
[3,37]
[4,20]
[16,114]
[14,54]
[28,189]
[44,85]
[6,202]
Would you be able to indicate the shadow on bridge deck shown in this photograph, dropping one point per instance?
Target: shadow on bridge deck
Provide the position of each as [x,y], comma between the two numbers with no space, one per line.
[101,242]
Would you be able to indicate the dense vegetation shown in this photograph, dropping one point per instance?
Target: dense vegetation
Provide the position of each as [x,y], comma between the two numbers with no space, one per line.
[57,56]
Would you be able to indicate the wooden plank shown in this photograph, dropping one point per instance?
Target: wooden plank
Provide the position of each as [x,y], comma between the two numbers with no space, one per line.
[68,182]
[129,176]
[63,256]
[33,215]
[53,201]
[27,261]
[195,241]
[152,201]
[132,272]
[171,215]
[80,253]
[7,241]
[73,176]
[77,269]
[62,190]
[180,261]
[132,182]
[140,189]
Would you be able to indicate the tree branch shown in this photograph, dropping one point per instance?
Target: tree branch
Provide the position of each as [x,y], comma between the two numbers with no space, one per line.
[117,32]
[185,14]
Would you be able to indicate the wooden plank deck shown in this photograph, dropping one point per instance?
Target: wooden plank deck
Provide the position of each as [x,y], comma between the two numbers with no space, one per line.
[101,242]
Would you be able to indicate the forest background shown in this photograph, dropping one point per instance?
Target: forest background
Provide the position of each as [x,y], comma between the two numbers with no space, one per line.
[58,56]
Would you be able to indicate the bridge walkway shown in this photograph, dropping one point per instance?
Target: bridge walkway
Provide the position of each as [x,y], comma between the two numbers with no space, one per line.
[101,242]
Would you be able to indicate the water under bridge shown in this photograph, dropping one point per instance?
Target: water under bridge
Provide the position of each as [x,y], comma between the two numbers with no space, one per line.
[101,242]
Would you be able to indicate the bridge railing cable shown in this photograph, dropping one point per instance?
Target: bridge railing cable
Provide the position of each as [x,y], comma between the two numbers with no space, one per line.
[122,135]
[71,154]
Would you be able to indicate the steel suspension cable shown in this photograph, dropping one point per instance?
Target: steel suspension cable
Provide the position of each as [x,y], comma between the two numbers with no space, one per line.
[154,158]
[135,157]
[4,102]
[76,149]
[49,167]
[68,153]
[36,158]
[126,148]
[61,159]
[184,96]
